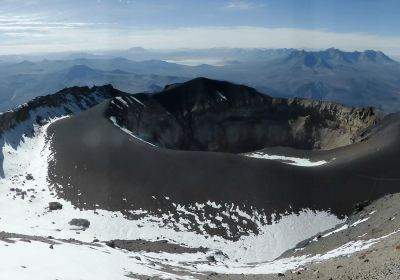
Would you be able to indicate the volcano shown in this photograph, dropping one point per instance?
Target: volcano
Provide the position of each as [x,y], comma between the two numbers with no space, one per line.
[205,164]
[204,141]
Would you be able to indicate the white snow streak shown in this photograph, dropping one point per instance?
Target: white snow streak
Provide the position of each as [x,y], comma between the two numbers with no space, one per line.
[344,227]
[221,95]
[359,222]
[114,121]
[289,160]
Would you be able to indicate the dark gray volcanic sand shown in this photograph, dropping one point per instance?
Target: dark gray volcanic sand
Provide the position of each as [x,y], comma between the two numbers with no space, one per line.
[105,165]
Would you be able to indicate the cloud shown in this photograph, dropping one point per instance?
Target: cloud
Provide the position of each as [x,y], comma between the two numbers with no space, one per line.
[239,6]
[32,24]
[77,37]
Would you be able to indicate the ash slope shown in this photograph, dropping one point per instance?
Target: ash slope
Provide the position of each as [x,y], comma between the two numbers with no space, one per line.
[98,164]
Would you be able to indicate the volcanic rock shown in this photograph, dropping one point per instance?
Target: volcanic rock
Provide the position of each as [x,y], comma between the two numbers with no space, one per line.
[55,206]
[83,223]
[209,115]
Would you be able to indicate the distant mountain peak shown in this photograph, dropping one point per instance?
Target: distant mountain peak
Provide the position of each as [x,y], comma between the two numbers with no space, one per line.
[202,92]
[137,49]
[80,67]
[376,56]
[204,84]
[80,70]
[118,71]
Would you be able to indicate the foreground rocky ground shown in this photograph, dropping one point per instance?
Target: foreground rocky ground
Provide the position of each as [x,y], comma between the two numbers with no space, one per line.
[376,224]
[378,221]
[382,261]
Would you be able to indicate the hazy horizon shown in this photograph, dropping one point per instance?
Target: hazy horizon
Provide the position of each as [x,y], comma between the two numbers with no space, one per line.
[190,56]
[59,26]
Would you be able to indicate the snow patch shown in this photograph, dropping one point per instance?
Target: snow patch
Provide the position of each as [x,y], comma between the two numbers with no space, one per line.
[137,100]
[291,263]
[23,260]
[221,95]
[359,222]
[288,160]
[344,227]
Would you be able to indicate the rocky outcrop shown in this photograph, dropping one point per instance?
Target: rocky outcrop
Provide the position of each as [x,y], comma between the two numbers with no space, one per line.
[55,206]
[68,100]
[82,223]
[208,115]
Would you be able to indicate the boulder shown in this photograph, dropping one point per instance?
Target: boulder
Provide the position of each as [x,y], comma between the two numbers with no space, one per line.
[110,243]
[55,206]
[83,223]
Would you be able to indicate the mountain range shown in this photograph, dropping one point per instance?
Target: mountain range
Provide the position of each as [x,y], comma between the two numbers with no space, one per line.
[368,78]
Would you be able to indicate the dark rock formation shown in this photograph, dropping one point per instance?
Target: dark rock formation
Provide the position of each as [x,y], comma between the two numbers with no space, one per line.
[78,97]
[55,206]
[110,244]
[209,115]
[83,223]
[140,245]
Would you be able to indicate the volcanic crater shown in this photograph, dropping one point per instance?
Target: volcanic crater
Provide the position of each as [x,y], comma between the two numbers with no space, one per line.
[217,116]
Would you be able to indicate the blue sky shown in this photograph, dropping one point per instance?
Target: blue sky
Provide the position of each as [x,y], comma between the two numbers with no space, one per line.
[62,25]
